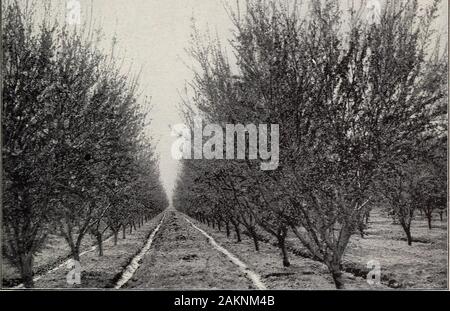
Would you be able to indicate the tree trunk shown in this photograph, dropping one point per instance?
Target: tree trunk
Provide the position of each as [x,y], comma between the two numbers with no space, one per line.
[75,253]
[334,266]
[284,253]
[227,228]
[429,221]
[116,233]
[255,239]
[440,215]
[361,228]
[219,225]
[124,232]
[408,235]
[337,278]
[238,232]
[26,270]
[99,238]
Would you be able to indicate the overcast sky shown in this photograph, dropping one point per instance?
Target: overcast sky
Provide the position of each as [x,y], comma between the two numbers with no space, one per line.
[153,35]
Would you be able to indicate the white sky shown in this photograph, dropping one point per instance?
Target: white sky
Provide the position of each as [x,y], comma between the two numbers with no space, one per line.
[153,34]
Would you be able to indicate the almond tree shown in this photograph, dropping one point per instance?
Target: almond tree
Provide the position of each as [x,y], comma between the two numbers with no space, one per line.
[27,70]
[72,140]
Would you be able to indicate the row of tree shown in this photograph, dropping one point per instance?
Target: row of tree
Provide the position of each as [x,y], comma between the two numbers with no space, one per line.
[361,108]
[75,160]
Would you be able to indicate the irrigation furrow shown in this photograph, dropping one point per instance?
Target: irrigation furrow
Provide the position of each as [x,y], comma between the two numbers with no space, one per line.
[135,262]
[253,276]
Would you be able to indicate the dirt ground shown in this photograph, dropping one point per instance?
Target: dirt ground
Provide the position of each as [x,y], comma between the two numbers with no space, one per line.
[182,258]
[55,252]
[422,265]
[302,274]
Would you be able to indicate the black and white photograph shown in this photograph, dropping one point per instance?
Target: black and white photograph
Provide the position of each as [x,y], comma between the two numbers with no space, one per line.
[207,145]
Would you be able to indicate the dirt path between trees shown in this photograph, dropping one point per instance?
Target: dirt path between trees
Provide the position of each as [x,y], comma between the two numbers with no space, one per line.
[183,258]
